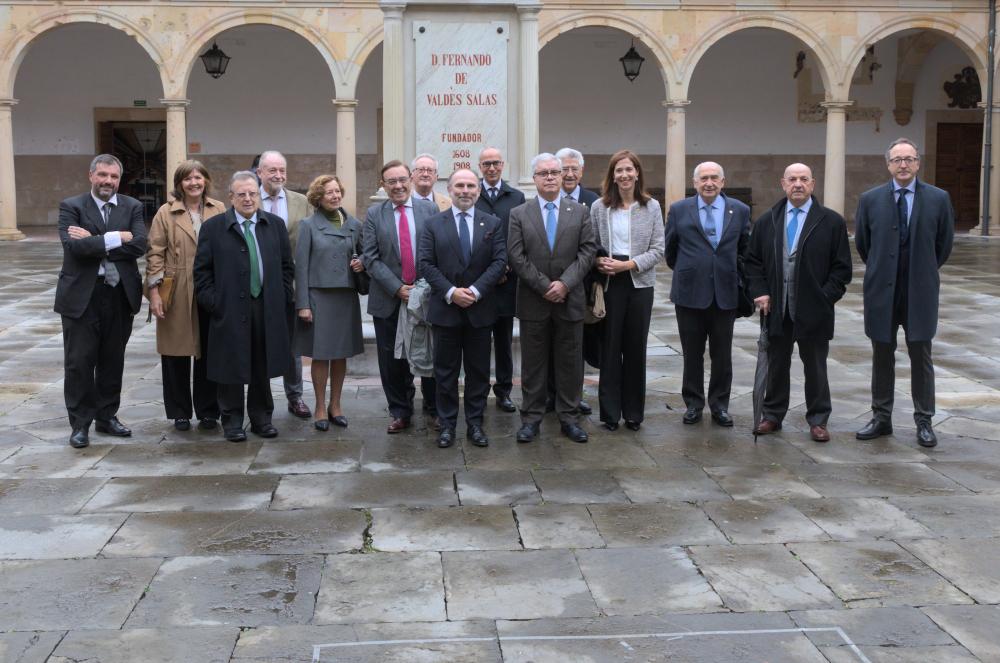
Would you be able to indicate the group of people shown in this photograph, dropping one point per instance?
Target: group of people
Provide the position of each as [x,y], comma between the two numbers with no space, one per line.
[241,294]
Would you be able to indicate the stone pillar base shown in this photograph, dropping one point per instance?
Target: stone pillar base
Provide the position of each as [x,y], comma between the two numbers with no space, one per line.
[10,234]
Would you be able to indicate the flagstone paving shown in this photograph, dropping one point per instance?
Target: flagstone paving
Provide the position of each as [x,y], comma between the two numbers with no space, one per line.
[674,542]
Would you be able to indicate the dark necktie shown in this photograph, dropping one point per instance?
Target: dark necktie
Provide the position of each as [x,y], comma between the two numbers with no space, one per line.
[463,238]
[904,224]
[111,277]
[493,194]
[254,262]
[409,268]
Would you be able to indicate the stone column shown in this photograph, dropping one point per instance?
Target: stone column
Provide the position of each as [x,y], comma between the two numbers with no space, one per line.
[393,98]
[835,170]
[676,168]
[8,197]
[528,55]
[176,135]
[347,157]
[994,182]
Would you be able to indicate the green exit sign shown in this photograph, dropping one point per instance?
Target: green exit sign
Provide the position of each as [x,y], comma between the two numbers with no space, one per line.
[139,103]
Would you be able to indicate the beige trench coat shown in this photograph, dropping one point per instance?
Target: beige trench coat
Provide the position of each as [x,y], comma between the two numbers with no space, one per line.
[172,247]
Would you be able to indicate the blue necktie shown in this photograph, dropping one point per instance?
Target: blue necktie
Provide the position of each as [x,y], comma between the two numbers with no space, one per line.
[709,227]
[793,227]
[550,224]
[463,238]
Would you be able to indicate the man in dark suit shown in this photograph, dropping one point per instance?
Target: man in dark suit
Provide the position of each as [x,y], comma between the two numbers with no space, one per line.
[98,293]
[551,247]
[904,235]
[498,198]
[390,238]
[463,254]
[798,266]
[706,241]
[243,275]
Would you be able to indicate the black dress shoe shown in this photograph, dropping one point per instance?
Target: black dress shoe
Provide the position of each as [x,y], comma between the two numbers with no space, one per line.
[611,425]
[574,432]
[79,439]
[264,430]
[477,436]
[505,404]
[722,418]
[322,424]
[112,427]
[446,438]
[339,420]
[182,424]
[692,415]
[236,435]
[632,425]
[208,423]
[926,436]
[874,428]
[584,408]
[527,432]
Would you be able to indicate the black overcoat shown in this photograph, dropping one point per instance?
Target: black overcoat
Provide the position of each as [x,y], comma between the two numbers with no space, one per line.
[932,231]
[222,286]
[824,268]
[507,199]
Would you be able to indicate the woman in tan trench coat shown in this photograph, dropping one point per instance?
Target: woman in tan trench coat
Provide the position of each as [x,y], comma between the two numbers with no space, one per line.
[181,327]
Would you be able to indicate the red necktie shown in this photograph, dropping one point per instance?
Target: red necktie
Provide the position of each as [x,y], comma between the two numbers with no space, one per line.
[406,248]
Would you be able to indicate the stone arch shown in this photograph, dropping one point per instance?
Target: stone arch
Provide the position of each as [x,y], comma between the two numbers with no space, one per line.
[790,26]
[356,60]
[185,61]
[16,51]
[664,62]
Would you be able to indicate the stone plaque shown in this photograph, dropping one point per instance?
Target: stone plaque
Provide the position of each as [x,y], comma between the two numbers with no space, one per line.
[461,91]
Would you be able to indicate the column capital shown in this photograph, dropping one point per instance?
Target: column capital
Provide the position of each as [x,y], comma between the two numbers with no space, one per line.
[676,105]
[175,104]
[345,104]
[392,9]
[8,103]
[528,10]
[836,106]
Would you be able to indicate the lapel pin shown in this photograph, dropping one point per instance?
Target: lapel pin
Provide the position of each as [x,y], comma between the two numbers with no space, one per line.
[481,224]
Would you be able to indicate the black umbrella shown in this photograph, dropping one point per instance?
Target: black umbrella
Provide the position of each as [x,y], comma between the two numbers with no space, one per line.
[760,375]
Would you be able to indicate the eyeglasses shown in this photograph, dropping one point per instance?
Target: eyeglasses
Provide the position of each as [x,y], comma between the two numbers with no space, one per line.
[424,170]
[909,161]
[491,164]
[545,174]
[245,194]
[397,180]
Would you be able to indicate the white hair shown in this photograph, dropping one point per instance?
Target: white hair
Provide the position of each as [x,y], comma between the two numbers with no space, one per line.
[545,156]
[694,175]
[271,153]
[570,153]
[425,155]
[241,176]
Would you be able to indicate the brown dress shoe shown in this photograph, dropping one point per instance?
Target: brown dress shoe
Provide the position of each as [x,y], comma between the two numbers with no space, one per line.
[299,409]
[819,433]
[398,425]
[767,426]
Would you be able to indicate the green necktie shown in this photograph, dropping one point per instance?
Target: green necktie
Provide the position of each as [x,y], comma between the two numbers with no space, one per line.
[254,262]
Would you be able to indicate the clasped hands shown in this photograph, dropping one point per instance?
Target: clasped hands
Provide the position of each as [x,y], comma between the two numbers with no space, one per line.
[610,266]
[557,292]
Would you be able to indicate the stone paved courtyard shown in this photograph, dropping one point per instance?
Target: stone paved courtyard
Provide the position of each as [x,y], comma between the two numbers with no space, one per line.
[674,543]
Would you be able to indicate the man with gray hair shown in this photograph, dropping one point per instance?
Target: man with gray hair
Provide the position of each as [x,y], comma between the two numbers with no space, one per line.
[98,293]
[904,235]
[291,207]
[551,247]
[243,274]
[424,170]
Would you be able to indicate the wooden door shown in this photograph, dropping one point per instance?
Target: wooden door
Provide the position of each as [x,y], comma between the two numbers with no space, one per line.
[959,160]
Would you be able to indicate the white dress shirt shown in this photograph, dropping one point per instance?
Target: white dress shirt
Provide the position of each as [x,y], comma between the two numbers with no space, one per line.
[266,201]
[112,238]
[469,223]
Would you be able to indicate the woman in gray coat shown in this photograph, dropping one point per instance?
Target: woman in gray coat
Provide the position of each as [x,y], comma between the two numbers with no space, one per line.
[629,224]
[327,269]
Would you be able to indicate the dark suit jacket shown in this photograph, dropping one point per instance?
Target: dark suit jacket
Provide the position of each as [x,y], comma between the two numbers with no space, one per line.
[703,275]
[508,199]
[381,253]
[932,231]
[587,197]
[537,266]
[82,257]
[823,264]
[222,285]
[440,262]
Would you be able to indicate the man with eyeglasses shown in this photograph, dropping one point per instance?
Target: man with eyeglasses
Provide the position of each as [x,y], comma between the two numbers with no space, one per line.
[551,247]
[243,275]
[391,234]
[904,235]
[425,174]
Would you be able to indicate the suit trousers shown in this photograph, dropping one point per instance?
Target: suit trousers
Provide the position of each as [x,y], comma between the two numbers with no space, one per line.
[622,387]
[695,327]
[94,355]
[503,338]
[813,353]
[260,405]
[564,341]
[453,347]
[884,378]
[397,380]
[176,371]
[293,376]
